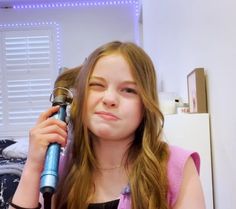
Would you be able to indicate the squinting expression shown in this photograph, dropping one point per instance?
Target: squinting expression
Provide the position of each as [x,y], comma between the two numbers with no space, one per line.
[114,106]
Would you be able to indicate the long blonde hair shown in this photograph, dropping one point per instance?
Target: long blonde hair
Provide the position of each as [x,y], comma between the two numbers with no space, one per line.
[148,153]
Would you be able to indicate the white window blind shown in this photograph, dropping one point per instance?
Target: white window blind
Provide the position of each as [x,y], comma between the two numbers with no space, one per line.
[27,72]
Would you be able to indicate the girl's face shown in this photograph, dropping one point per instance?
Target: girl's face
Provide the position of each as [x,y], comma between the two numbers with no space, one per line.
[114,107]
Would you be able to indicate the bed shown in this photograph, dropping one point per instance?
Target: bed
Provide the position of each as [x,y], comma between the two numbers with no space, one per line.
[13,155]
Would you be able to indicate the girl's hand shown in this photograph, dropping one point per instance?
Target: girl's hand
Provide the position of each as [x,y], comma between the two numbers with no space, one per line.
[47,130]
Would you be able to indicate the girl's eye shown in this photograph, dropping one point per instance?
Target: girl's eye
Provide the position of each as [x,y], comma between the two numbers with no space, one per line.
[95,85]
[130,90]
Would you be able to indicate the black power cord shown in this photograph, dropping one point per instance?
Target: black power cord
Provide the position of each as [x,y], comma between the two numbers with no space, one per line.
[47,196]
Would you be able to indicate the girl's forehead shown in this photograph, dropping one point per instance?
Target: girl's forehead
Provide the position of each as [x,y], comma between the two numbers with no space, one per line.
[114,64]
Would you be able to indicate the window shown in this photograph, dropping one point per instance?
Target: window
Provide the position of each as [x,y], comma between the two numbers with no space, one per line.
[27,71]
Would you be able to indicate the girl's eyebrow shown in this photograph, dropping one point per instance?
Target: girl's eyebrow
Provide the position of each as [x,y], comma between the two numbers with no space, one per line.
[130,82]
[103,79]
[97,78]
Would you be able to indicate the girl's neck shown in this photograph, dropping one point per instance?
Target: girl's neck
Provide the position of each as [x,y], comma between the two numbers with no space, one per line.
[111,155]
[112,174]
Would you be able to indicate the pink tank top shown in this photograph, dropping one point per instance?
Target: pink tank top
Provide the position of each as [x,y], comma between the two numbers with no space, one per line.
[177,160]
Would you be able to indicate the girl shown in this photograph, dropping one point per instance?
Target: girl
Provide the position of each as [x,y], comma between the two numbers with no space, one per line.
[116,158]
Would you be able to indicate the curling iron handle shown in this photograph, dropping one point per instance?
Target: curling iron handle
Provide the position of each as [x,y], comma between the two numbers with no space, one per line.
[49,176]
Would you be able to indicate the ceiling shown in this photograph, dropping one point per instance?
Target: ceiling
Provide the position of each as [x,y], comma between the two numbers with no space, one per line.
[10,3]
[44,1]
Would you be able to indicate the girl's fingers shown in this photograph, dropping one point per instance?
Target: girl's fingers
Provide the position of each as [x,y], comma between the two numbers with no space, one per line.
[52,121]
[52,138]
[38,134]
[54,129]
[45,115]
[55,134]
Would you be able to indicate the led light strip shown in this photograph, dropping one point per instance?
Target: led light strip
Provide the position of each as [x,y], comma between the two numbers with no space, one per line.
[39,24]
[78,4]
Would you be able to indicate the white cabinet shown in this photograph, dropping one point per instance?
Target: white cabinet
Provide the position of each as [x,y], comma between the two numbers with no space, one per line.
[192,131]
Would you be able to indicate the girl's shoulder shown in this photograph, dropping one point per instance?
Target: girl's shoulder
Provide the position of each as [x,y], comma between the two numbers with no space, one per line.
[175,168]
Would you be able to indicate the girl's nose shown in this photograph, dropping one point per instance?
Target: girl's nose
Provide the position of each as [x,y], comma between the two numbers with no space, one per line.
[110,98]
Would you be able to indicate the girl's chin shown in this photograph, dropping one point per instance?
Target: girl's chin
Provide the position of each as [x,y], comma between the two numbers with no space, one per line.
[104,134]
[102,130]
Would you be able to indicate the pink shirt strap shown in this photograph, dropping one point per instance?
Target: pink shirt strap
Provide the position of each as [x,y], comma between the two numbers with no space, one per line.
[177,160]
[125,202]
[125,199]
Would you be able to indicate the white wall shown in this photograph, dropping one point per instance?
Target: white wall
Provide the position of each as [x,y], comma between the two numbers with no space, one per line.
[182,35]
[83,28]
[197,129]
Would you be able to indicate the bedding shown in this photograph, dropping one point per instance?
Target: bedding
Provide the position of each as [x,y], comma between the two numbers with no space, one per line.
[12,159]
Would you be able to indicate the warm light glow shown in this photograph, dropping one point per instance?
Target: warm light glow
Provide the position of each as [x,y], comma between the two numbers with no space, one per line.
[78,4]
